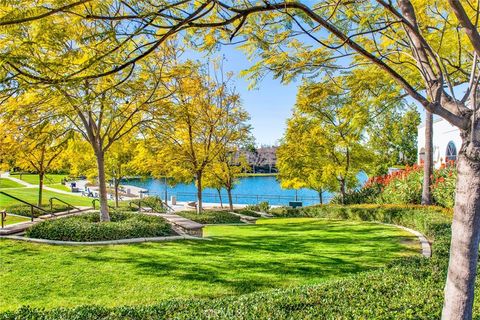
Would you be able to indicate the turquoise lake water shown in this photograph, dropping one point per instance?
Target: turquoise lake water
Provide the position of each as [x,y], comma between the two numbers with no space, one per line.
[249,190]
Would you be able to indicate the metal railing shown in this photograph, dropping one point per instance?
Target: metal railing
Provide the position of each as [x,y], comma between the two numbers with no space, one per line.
[95,208]
[60,200]
[32,206]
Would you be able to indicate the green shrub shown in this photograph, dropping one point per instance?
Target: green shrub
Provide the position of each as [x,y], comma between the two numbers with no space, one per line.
[409,288]
[211,217]
[24,210]
[366,194]
[87,227]
[443,186]
[263,206]
[405,187]
[247,212]
[417,217]
[152,202]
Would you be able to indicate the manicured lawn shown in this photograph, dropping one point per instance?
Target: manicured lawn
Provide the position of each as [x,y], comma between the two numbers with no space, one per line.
[31,195]
[275,253]
[14,219]
[60,186]
[33,178]
[7,183]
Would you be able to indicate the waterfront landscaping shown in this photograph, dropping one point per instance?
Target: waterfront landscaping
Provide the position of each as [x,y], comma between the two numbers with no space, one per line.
[275,253]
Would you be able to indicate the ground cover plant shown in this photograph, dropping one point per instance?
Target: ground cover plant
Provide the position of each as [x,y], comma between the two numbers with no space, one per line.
[211,217]
[276,253]
[87,227]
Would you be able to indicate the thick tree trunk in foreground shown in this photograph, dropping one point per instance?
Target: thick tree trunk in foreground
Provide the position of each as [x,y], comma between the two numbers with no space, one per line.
[428,165]
[104,215]
[41,177]
[230,200]
[460,284]
[199,193]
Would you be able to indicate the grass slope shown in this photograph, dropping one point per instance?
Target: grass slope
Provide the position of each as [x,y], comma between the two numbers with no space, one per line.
[276,253]
[14,219]
[31,195]
[48,179]
[7,183]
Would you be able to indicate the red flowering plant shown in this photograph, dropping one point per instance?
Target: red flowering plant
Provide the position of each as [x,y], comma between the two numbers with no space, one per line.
[402,186]
[443,185]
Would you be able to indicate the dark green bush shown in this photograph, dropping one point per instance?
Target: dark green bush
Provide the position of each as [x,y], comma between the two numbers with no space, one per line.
[211,217]
[87,227]
[367,194]
[247,212]
[408,288]
[24,210]
[263,206]
[417,217]
[152,202]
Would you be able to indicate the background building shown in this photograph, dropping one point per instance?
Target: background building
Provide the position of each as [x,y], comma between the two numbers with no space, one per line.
[446,142]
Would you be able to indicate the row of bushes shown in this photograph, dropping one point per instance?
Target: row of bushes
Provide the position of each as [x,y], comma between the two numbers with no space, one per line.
[24,210]
[87,227]
[405,187]
[409,288]
[210,217]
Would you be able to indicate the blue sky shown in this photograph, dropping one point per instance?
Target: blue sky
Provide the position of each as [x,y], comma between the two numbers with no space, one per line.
[269,105]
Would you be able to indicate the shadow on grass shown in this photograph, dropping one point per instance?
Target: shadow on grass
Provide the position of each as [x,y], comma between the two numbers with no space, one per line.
[256,257]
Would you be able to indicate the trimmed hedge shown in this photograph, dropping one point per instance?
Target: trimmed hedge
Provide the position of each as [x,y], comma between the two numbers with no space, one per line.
[421,218]
[24,210]
[88,227]
[211,217]
[247,212]
[408,288]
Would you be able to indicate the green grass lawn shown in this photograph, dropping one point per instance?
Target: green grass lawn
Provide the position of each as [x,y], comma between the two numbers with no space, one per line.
[48,180]
[61,187]
[31,195]
[7,183]
[14,219]
[275,253]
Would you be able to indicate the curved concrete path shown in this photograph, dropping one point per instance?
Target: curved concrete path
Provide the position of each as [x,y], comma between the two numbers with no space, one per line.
[426,247]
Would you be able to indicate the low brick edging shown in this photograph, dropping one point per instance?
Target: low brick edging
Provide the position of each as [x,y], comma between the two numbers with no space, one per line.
[109,242]
[426,247]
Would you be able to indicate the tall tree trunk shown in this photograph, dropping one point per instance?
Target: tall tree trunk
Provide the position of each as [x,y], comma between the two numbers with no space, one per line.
[117,185]
[343,190]
[41,176]
[199,193]
[320,196]
[460,285]
[230,200]
[220,197]
[428,165]
[104,215]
